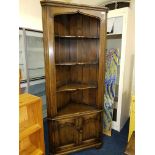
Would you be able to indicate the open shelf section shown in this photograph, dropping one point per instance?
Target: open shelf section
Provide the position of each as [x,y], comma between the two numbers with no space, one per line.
[74,108]
[76,63]
[76,36]
[28,131]
[75,86]
[114,36]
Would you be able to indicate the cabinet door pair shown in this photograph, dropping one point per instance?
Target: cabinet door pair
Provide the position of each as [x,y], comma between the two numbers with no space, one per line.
[74,131]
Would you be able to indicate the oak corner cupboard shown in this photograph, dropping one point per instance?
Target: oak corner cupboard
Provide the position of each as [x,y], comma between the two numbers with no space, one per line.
[74,48]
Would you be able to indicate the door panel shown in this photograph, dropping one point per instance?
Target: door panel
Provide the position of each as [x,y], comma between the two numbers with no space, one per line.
[91,126]
[64,132]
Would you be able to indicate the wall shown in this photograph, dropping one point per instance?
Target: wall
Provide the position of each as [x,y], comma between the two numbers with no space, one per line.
[129,76]
[133,42]
[30,15]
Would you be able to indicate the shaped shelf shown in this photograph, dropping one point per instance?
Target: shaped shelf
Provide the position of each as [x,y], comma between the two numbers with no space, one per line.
[77,36]
[76,63]
[75,86]
[75,108]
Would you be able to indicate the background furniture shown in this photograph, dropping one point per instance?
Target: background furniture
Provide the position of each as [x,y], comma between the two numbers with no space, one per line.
[74,44]
[31,138]
[20,78]
[132,117]
[130,148]
[119,34]
[31,64]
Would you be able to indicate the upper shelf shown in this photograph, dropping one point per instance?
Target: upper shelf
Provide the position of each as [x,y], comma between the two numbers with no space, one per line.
[109,36]
[75,86]
[75,36]
[76,63]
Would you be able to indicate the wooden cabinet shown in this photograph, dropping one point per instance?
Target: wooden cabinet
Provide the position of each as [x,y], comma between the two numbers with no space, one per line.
[31,138]
[74,46]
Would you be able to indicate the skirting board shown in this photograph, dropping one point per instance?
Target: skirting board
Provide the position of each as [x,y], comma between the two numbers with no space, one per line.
[115,126]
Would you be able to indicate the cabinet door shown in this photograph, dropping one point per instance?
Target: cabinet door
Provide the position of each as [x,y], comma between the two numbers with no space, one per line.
[90,128]
[64,133]
[72,132]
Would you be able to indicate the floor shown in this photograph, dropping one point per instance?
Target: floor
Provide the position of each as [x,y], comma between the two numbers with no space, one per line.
[114,145]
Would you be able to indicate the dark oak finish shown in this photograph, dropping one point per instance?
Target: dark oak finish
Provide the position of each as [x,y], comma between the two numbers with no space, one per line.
[74,44]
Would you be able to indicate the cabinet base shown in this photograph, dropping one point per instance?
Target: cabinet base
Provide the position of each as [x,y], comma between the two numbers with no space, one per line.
[99,146]
[78,148]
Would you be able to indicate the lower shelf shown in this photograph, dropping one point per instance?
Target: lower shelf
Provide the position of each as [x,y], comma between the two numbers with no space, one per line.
[78,148]
[76,86]
[26,132]
[31,150]
[74,108]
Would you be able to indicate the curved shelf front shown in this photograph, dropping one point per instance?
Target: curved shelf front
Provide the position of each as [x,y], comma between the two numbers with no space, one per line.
[75,87]
[76,63]
[76,36]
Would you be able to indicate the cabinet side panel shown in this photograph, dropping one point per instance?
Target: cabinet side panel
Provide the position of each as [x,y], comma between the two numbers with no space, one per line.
[101,72]
[49,62]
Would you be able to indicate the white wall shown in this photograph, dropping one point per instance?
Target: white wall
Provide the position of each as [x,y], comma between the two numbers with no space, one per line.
[30,15]
[30,12]
[129,61]
[133,42]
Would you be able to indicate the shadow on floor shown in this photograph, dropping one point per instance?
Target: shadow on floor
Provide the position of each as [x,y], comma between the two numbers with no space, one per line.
[114,145]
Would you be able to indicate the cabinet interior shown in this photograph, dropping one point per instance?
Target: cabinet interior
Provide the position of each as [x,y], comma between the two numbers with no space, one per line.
[77,62]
